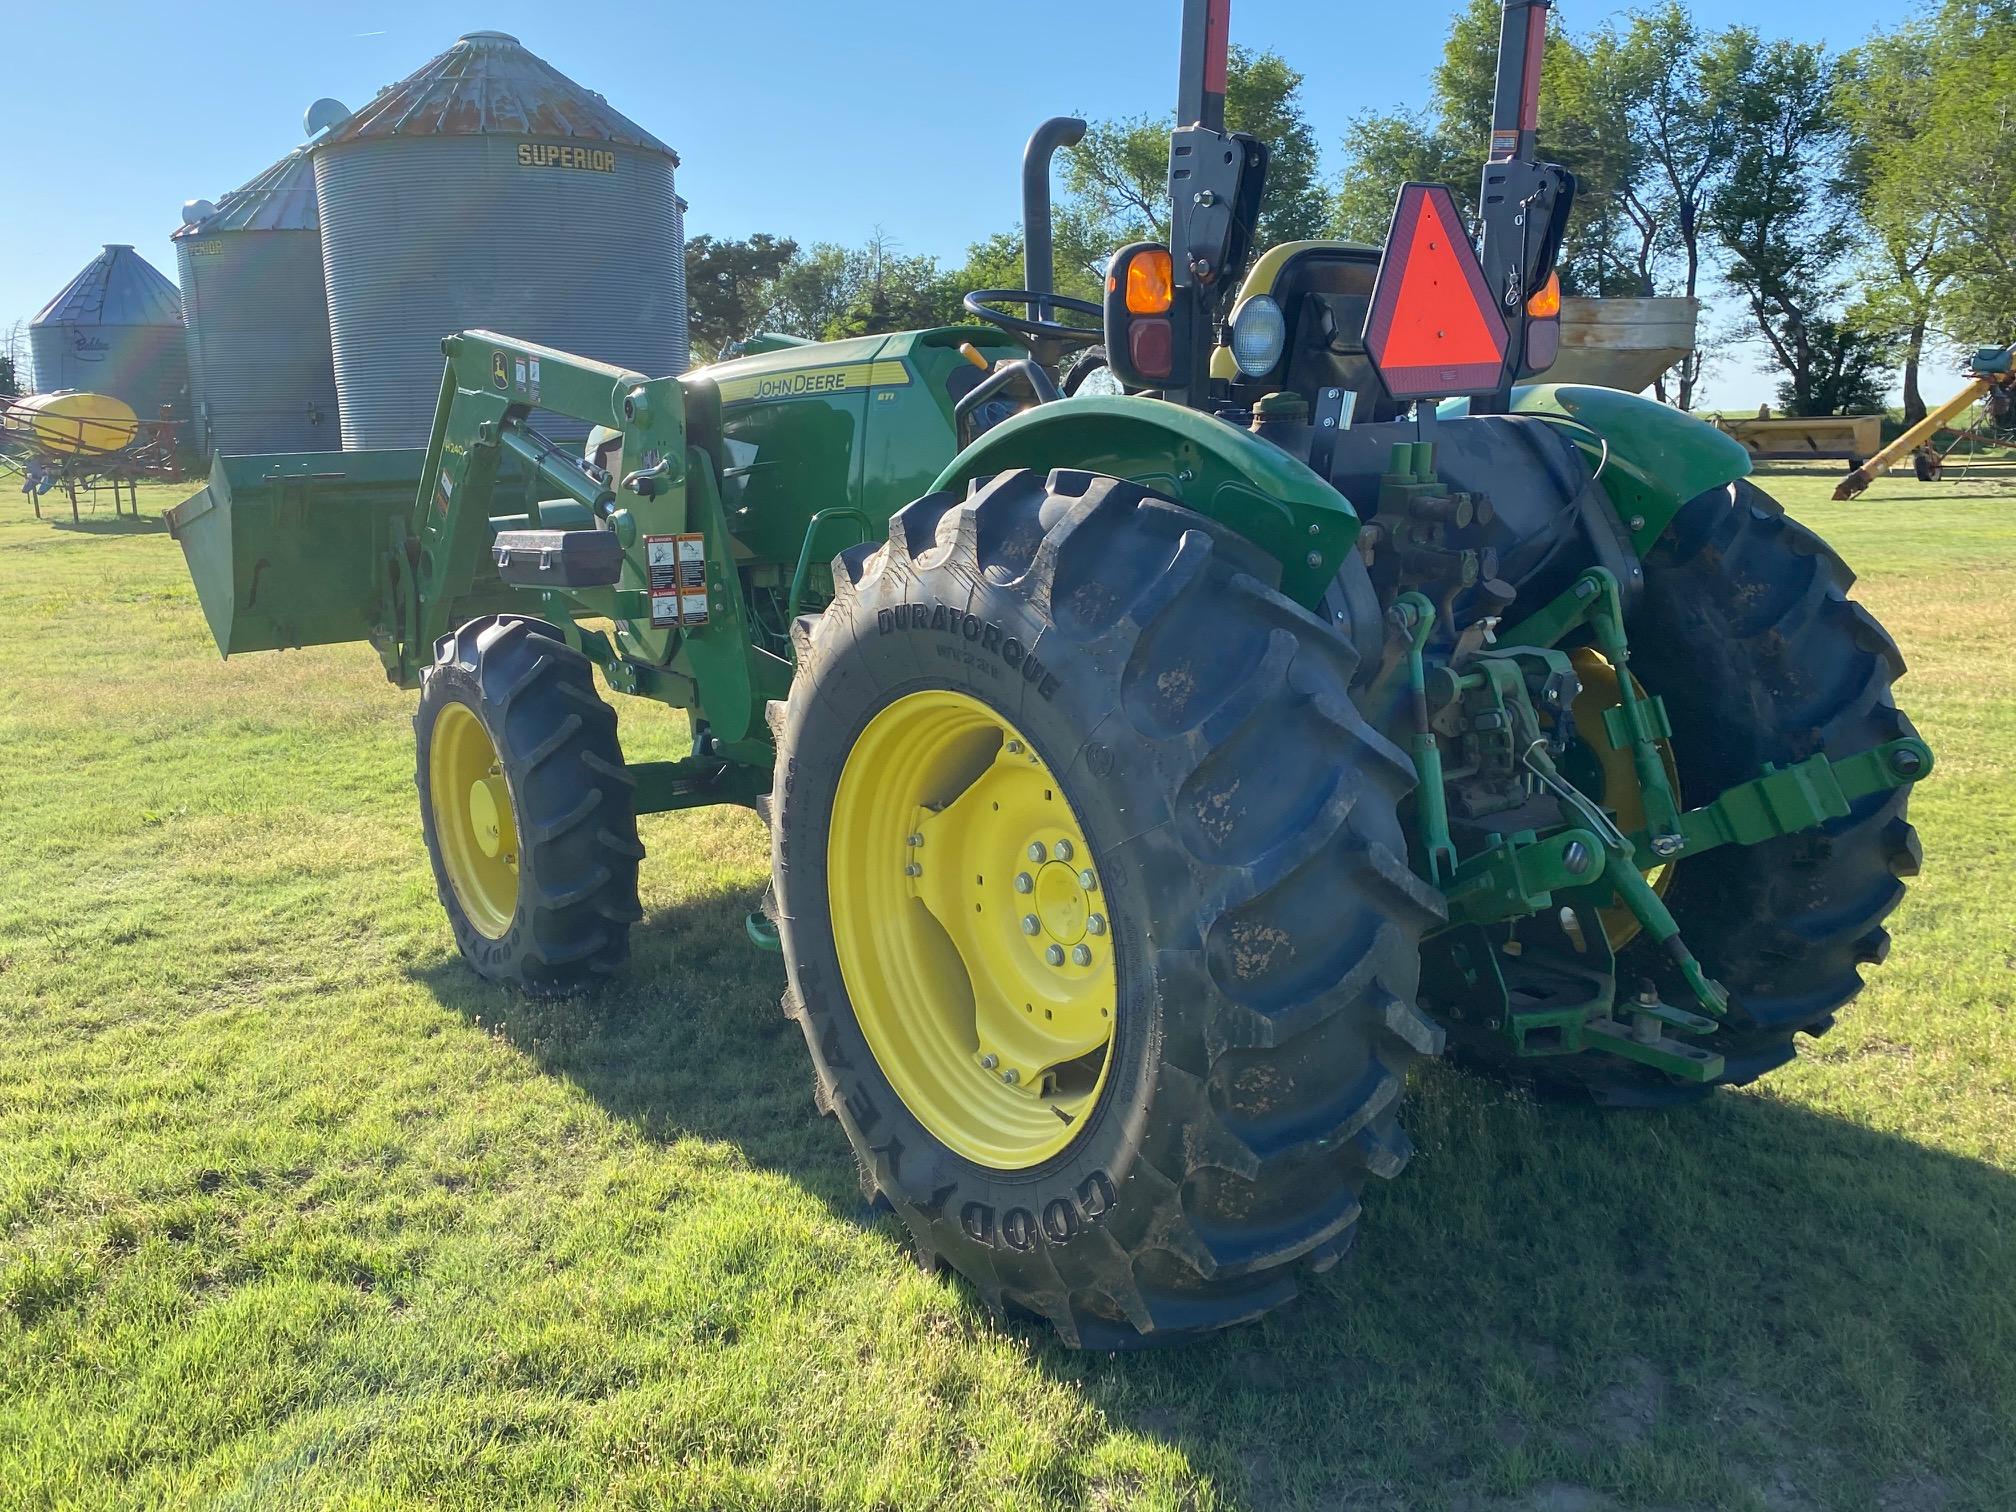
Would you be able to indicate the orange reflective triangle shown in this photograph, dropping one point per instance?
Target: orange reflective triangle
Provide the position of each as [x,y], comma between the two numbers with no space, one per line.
[1432,330]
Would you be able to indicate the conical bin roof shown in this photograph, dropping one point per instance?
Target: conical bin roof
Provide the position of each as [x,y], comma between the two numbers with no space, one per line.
[488,82]
[118,287]
[278,198]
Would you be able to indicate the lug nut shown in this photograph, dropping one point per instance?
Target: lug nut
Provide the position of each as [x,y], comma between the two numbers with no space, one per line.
[1030,924]
[1087,881]
[916,840]
[1062,850]
[989,1062]
[1054,954]
[1024,882]
[913,870]
[1037,852]
[1014,748]
[1011,1076]
[1095,924]
[1082,954]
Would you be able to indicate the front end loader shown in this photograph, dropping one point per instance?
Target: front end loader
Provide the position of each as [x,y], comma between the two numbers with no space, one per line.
[1174,717]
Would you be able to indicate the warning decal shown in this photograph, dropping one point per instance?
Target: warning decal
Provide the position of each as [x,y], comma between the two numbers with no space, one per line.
[677,565]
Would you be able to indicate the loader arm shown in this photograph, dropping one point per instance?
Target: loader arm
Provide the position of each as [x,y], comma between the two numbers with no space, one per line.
[668,584]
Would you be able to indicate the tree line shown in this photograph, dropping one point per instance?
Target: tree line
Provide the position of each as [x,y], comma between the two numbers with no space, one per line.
[1854,212]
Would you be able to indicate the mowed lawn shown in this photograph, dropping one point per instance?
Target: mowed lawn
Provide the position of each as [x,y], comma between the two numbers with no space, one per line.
[294,1211]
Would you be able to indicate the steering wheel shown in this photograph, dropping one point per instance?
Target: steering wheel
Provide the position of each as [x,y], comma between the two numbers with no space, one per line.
[980,303]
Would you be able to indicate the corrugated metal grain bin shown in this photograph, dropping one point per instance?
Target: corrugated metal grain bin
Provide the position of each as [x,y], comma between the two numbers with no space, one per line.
[260,374]
[489,190]
[115,329]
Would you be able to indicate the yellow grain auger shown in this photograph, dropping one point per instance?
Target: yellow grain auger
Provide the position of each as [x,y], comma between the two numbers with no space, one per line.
[1994,378]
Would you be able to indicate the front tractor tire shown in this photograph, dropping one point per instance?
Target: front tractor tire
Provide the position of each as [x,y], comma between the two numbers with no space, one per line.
[1095,906]
[528,811]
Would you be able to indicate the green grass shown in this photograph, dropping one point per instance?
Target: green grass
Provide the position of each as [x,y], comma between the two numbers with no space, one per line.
[295,1211]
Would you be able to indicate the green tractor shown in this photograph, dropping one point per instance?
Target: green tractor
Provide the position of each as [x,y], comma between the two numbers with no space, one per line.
[1174,718]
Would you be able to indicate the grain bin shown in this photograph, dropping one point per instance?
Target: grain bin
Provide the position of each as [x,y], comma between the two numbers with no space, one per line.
[489,190]
[115,329]
[260,375]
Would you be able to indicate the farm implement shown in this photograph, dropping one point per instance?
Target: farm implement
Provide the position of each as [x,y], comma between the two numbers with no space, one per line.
[72,440]
[1991,383]
[1173,717]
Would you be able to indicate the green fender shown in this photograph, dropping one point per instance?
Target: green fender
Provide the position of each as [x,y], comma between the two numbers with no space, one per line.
[1225,474]
[1657,457]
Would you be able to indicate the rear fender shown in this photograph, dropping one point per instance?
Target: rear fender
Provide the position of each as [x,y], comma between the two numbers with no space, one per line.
[1653,458]
[1225,474]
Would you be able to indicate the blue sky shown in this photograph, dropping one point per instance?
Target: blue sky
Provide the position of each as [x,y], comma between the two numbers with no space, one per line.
[816,119]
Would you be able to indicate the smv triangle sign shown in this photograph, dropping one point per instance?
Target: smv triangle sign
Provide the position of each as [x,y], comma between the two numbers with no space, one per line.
[1432,330]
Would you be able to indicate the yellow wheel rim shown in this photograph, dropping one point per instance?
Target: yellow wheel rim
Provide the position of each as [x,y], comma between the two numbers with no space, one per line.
[1619,777]
[475,827]
[972,929]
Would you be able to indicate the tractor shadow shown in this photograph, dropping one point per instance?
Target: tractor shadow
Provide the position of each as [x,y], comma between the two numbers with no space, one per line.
[689,1040]
[1743,1303]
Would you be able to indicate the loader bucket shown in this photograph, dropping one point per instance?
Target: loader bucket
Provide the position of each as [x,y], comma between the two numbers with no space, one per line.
[289,550]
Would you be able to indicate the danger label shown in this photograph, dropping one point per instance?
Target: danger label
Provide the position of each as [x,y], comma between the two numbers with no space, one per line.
[677,579]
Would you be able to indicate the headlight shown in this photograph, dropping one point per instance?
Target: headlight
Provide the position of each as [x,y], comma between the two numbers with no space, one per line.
[1258,335]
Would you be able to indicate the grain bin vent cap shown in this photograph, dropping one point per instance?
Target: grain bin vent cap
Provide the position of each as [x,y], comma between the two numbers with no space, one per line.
[281,198]
[117,287]
[489,83]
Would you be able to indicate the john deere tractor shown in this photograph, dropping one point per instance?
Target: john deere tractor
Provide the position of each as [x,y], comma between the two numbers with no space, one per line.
[1174,717]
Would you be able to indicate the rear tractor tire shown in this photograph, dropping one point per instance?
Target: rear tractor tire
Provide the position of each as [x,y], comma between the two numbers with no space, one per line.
[527,809]
[1095,906]
[1746,630]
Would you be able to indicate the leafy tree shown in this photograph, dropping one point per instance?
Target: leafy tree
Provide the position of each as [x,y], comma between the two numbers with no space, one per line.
[1681,136]
[1384,151]
[729,288]
[1263,97]
[1900,157]
[14,353]
[1963,161]
[1847,359]
[1980,190]
[1118,177]
[812,294]
[1780,212]
[996,263]
[1584,125]
[892,293]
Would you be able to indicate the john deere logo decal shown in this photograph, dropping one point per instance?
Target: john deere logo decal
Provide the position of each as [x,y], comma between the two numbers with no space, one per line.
[500,371]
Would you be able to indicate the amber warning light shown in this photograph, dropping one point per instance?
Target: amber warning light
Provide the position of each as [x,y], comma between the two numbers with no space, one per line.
[1432,330]
[1151,279]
